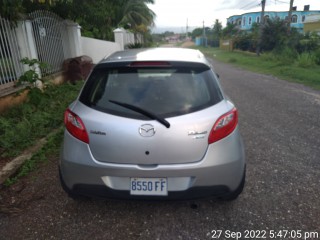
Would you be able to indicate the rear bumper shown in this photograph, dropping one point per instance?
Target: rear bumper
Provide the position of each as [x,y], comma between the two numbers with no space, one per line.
[102,191]
[219,172]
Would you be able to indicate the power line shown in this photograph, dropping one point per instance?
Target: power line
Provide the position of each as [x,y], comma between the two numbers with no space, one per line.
[250,5]
[282,1]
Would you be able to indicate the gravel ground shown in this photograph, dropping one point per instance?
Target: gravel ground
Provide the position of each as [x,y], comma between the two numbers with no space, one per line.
[280,124]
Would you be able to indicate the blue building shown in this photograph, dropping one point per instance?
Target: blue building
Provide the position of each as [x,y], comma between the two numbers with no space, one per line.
[245,21]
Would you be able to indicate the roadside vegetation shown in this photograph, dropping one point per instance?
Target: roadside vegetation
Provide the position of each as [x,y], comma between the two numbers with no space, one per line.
[269,63]
[97,18]
[282,51]
[23,125]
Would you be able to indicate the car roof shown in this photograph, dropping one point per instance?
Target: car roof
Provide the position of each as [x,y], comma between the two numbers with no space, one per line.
[157,54]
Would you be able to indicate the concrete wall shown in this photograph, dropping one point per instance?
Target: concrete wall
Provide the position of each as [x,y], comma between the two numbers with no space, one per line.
[73,39]
[12,99]
[226,44]
[123,37]
[98,49]
[312,23]
[312,27]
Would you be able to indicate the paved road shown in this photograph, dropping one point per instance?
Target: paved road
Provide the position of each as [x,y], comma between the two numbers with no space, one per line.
[280,124]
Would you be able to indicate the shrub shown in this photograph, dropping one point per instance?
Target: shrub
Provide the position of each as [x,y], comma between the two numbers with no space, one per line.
[269,56]
[31,76]
[134,45]
[305,60]
[317,57]
[23,124]
[245,43]
[285,55]
[310,43]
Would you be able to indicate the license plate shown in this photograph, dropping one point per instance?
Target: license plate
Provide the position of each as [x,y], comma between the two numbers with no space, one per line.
[148,186]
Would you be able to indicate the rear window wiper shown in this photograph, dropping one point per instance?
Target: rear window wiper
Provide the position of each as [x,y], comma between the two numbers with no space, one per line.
[143,112]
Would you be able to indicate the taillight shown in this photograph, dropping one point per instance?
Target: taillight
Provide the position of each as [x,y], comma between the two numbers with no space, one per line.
[224,126]
[75,126]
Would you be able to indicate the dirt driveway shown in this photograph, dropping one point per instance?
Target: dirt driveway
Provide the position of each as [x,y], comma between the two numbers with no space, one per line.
[280,124]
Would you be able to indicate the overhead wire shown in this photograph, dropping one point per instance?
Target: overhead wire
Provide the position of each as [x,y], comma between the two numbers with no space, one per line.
[250,5]
[282,1]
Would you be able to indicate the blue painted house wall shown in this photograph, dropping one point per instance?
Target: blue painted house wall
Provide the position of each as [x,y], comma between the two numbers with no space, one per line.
[245,21]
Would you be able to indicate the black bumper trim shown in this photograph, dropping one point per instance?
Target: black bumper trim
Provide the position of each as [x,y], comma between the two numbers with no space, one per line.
[106,192]
[102,191]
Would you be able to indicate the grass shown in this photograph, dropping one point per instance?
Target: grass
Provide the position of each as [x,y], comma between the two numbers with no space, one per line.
[50,148]
[300,71]
[23,125]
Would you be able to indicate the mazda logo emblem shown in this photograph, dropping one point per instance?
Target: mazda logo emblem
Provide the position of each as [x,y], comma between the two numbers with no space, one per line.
[147,130]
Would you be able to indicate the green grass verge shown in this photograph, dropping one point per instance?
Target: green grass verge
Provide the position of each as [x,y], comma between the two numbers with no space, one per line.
[309,76]
[24,124]
[51,148]
[42,113]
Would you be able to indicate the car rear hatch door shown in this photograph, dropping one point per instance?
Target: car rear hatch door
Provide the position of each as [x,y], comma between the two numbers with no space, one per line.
[114,139]
[150,112]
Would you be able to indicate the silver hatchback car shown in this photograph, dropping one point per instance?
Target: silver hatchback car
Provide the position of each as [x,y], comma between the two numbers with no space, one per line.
[152,123]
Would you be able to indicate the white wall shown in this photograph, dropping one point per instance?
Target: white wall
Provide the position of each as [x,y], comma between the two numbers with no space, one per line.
[98,49]
[73,39]
[26,43]
[123,37]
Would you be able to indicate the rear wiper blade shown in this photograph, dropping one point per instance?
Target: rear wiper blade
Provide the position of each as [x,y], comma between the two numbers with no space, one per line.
[142,111]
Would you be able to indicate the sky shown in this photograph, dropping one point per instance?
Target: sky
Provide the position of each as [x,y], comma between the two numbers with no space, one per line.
[174,14]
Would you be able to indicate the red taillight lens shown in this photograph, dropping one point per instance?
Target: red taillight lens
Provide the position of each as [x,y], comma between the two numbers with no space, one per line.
[75,126]
[224,126]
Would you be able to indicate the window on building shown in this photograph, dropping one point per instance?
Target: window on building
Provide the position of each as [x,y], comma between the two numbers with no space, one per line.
[244,21]
[294,19]
[303,18]
[250,20]
[239,23]
[258,19]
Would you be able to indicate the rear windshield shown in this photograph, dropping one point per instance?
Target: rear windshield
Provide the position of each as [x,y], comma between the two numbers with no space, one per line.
[166,92]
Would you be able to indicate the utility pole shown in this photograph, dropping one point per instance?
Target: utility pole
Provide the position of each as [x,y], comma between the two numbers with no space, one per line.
[263,5]
[187,29]
[203,30]
[204,38]
[290,16]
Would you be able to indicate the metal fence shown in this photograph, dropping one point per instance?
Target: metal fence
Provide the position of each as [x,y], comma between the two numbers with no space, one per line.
[10,66]
[50,36]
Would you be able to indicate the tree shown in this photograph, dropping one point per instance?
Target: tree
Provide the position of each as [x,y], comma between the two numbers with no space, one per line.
[229,31]
[137,15]
[97,18]
[273,34]
[10,9]
[217,30]
[197,32]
